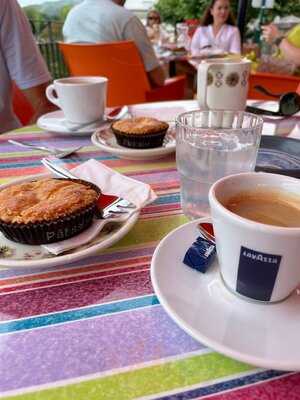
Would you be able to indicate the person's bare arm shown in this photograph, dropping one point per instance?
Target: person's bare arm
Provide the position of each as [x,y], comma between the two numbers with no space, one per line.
[156,76]
[270,33]
[37,97]
[290,52]
[135,31]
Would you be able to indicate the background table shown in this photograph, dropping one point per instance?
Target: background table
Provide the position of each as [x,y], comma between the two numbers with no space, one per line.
[94,329]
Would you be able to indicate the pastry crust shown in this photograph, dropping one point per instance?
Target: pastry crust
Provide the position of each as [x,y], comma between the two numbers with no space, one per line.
[44,200]
[140,125]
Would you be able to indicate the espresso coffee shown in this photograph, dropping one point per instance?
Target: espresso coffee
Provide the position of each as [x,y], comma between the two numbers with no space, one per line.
[75,81]
[271,207]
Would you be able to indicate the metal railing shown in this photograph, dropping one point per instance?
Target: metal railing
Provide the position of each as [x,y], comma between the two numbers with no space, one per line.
[47,35]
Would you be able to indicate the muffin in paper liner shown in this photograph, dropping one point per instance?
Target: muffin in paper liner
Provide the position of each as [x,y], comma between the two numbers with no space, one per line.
[45,232]
[140,132]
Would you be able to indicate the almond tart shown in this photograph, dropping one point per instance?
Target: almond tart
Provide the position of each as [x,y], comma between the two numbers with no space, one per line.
[140,132]
[47,210]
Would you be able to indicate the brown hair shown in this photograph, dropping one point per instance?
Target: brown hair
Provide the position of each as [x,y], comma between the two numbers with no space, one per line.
[207,18]
[155,13]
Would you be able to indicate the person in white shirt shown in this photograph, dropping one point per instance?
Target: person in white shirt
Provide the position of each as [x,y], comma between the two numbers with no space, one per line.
[217,32]
[95,21]
[20,61]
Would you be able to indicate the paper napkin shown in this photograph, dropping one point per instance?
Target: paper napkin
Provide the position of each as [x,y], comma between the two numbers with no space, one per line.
[110,182]
[163,113]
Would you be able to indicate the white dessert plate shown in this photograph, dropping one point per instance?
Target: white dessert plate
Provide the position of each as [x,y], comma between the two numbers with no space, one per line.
[265,335]
[18,255]
[56,122]
[106,140]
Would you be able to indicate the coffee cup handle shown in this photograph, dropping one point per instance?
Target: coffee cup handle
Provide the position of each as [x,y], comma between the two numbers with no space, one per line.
[50,96]
[202,84]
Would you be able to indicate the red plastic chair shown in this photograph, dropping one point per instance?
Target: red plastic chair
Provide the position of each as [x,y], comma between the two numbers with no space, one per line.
[273,82]
[121,63]
[21,106]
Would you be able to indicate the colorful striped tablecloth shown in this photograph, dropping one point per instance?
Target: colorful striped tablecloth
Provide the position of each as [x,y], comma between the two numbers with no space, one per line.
[94,329]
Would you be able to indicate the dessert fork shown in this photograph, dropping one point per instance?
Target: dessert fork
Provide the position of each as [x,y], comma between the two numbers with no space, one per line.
[111,206]
[59,153]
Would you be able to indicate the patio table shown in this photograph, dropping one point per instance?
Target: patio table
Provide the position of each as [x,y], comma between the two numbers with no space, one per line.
[94,329]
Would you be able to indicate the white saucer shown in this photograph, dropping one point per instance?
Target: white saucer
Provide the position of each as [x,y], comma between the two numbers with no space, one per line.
[56,122]
[265,335]
[18,255]
[106,140]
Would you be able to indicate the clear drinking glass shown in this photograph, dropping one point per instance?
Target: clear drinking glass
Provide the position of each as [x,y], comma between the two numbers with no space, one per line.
[206,152]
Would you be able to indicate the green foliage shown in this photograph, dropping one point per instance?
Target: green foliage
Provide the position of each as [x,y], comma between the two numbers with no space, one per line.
[54,11]
[64,11]
[286,7]
[173,11]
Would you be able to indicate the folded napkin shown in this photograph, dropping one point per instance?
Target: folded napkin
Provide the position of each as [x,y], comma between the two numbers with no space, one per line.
[110,182]
[163,113]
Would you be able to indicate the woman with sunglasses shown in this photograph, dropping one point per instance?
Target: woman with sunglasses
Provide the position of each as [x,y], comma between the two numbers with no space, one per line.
[217,31]
[153,27]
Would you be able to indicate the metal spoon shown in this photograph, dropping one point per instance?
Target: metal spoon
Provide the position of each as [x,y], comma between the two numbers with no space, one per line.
[289,103]
[116,113]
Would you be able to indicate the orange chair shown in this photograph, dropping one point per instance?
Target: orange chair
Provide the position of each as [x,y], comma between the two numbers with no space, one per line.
[272,82]
[21,106]
[121,63]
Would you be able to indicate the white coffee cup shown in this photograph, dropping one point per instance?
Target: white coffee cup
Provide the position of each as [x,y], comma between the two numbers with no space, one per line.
[257,261]
[82,99]
[222,84]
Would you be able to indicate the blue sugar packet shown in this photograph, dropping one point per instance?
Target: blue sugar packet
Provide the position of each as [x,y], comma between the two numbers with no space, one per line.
[200,255]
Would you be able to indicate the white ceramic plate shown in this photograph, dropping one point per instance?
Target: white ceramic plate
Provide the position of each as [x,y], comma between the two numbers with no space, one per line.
[55,122]
[265,335]
[17,255]
[105,140]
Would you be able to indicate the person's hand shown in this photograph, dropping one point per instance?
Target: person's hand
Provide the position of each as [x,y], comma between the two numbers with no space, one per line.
[270,33]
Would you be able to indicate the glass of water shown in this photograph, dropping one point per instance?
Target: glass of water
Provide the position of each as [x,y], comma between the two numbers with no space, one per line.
[205,152]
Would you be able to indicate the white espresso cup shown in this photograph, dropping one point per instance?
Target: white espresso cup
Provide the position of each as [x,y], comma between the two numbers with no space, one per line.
[257,261]
[82,99]
[222,84]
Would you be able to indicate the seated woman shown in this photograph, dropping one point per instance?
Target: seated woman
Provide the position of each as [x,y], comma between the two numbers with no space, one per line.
[217,32]
[289,45]
[153,27]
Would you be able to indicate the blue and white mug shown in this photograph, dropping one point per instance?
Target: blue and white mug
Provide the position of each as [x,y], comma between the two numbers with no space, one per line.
[257,261]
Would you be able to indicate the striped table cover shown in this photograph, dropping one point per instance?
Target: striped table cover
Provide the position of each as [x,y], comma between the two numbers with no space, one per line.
[94,329]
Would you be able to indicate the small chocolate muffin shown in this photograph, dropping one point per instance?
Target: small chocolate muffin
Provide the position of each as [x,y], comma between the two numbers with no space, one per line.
[47,210]
[140,132]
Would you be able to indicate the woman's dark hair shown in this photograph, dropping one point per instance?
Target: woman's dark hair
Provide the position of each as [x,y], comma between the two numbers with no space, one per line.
[207,18]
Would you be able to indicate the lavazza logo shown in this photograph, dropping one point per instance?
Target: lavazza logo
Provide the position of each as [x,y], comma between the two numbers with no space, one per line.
[257,256]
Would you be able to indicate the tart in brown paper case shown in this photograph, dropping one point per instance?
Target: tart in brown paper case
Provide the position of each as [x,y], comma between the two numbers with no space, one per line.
[50,231]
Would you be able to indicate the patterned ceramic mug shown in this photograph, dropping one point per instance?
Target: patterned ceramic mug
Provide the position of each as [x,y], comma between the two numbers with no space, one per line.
[223,85]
